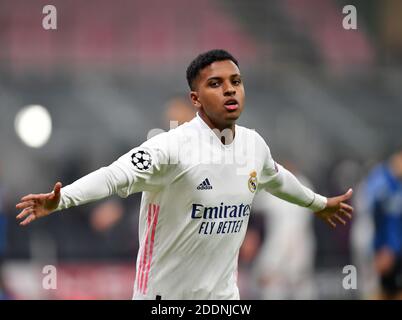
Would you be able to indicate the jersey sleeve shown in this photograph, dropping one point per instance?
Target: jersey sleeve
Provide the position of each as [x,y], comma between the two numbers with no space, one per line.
[144,168]
[280,182]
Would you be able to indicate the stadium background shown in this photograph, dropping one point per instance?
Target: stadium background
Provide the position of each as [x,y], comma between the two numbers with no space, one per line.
[325,98]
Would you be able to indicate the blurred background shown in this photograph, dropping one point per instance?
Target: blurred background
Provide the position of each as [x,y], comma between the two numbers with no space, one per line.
[327,100]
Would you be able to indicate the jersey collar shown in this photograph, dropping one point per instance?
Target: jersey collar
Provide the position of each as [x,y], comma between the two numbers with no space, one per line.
[206,128]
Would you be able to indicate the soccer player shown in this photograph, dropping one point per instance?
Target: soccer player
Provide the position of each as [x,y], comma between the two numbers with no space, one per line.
[381,201]
[198,182]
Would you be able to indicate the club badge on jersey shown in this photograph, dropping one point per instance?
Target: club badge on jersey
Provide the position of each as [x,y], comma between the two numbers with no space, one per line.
[252,181]
[141,160]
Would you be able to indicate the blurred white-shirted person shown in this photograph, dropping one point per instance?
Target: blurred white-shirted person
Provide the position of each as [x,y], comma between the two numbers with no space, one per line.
[284,268]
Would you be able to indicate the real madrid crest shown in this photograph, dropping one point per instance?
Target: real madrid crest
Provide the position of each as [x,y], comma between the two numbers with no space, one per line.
[252,181]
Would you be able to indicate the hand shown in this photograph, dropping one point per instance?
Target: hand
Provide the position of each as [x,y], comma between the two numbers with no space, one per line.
[38,205]
[337,210]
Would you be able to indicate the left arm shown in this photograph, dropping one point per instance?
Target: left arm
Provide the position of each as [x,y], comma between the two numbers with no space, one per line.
[283,184]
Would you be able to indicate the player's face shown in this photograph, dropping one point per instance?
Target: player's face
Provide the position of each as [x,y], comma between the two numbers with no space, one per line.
[219,94]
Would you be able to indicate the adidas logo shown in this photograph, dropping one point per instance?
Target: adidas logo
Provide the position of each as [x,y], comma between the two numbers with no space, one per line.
[205,185]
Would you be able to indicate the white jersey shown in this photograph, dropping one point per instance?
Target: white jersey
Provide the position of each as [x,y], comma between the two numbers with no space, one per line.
[196,202]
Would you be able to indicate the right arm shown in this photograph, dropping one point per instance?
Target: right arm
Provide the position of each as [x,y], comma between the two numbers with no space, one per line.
[142,169]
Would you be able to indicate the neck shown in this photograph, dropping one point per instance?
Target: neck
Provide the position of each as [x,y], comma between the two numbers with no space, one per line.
[218,129]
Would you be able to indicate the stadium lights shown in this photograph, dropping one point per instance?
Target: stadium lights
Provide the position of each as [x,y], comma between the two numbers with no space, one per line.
[33,125]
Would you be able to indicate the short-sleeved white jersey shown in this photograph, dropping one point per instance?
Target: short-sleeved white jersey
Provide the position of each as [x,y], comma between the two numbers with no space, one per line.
[195,207]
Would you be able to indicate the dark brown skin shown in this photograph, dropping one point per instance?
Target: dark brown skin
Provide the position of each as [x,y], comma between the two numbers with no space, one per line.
[215,85]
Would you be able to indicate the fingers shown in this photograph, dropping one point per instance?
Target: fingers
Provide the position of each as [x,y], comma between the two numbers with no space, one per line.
[44,196]
[28,220]
[339,219]
[32,202]
[330,222]
[56,189]
[25,212]
[25,204]
[345,213]
[346,207]
[40,196]
[347,195]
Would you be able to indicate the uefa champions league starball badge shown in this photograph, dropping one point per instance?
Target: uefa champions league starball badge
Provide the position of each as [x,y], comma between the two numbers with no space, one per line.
[252,181]
[141,160]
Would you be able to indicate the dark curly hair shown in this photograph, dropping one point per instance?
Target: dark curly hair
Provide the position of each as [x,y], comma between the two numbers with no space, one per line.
[205,59]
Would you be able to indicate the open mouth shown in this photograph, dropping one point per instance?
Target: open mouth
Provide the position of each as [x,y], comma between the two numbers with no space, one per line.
[231,104]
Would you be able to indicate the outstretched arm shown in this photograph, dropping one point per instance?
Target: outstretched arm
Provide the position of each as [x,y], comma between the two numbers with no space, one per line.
[142,169]
[99,184]
[286,186]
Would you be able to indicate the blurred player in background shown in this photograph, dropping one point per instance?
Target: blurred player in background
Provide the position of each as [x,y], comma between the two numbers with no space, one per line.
[380,199]
[106,215]
[179,109]
[284,268]
[195,202]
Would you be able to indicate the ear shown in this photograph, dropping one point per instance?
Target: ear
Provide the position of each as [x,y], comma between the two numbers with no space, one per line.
[194,99]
